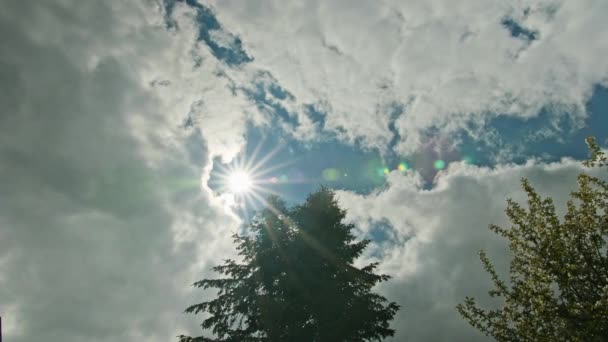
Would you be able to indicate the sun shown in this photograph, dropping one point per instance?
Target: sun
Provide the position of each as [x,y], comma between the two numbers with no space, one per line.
[239,182]
[245,183]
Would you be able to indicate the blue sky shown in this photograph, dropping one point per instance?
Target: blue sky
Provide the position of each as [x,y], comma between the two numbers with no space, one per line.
[362,170]
[514,139]
[120,119]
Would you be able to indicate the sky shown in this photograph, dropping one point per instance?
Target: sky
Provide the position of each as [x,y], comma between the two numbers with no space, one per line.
[122,121]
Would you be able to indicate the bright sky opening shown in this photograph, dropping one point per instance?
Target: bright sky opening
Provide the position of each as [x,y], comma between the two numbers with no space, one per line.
[240,182]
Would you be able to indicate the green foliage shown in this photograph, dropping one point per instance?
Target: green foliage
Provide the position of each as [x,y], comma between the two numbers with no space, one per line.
[558,287]
[297,281]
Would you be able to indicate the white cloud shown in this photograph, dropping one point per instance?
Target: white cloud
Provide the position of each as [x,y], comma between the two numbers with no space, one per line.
[448,62]
[103,222]
[434,237]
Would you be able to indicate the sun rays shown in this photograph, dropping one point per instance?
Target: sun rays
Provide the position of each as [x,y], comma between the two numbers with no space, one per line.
[239,182]
[245,184]
[272,166]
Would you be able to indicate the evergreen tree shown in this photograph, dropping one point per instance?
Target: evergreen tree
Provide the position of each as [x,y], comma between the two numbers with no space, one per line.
[297,281]
[558,287]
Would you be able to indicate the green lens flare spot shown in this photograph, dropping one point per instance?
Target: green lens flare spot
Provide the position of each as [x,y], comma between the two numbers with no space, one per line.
[374,171]
[402,167]
[331,174]
[439,164]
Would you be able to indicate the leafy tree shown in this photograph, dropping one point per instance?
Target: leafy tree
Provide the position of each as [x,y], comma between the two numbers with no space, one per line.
[558,287]
[297,281]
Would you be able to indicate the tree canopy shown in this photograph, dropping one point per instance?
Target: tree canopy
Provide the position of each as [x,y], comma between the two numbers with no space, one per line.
[558,288]
[297,281]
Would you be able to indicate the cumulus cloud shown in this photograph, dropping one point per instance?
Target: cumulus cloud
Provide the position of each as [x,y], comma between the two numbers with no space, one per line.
[113,112]
[433,237]
[449,65]
[104,222]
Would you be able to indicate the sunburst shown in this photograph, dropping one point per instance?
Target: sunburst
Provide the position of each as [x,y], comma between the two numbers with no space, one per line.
[239,182]
[246,182]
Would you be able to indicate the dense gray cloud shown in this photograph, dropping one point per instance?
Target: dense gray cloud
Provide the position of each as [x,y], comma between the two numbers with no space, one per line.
[434,236]
[420,65]
[103,221]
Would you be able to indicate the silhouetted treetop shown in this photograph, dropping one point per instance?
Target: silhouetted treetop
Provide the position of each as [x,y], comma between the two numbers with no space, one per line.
[297,280]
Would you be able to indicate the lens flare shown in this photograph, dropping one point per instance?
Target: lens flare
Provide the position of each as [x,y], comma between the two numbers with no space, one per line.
[402,167]
[244,184]
[239,182]
[439,164]
[331,174]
